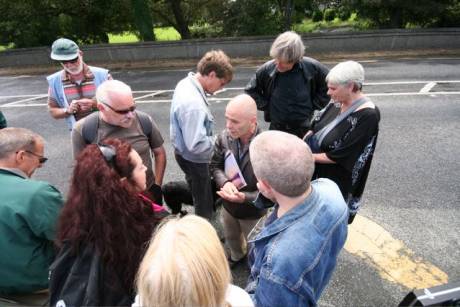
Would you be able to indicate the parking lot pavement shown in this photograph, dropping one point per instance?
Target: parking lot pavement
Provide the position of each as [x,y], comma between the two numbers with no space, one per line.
[408,236]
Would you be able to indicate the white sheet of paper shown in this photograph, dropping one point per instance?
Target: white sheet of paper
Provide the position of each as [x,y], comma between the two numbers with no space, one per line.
[233,171]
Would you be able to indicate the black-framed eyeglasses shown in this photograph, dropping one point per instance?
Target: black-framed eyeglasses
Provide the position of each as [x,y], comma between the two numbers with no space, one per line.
[121,112]
[108,152]
[72,61]
[41,159]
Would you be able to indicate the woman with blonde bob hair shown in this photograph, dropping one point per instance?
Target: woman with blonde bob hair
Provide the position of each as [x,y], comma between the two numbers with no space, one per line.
[185,265]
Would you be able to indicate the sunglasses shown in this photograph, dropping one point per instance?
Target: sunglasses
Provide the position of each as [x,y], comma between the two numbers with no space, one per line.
[41,159]
[121,112]
[108,152]
[73,61]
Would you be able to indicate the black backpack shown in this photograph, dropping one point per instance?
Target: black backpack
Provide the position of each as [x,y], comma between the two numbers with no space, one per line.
[91,124]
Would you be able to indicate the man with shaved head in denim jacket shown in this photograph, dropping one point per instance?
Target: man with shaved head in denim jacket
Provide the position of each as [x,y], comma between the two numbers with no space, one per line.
[292,258]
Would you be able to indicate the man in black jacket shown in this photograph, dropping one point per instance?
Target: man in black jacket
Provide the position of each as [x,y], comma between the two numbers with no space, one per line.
[290,87]
[238,190]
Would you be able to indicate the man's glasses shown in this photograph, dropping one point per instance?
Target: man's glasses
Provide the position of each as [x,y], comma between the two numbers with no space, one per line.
[121,112]
[108,152]
[41,159]
[73,61]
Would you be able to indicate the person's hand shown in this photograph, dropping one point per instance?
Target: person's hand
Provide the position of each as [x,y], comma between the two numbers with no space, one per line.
[85,104]
[237,197]
[229,188]
[73,107]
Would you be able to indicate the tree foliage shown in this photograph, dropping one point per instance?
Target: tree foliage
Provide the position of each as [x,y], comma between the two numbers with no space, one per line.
[182,14]
[254,17]
[143,20]
[28,23]
[397,14]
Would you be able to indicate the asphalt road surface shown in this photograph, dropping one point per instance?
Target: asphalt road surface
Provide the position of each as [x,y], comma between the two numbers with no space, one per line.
[407,235]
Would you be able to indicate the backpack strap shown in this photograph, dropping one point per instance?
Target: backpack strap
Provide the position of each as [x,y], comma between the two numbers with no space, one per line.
[91,124]
[89,129]
[146,124]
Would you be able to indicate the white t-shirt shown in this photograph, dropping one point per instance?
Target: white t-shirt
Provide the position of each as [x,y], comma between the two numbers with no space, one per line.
[235,296]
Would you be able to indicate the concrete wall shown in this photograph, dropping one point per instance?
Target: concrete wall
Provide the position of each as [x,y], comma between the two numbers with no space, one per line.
[317,43]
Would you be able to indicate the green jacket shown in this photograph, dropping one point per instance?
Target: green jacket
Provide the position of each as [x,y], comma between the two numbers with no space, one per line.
[28,213]
[2,121]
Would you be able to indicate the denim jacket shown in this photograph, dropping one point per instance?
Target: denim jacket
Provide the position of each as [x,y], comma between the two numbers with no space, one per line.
[293,257]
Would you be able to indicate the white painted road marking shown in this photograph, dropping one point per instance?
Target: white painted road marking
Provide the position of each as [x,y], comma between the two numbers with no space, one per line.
[16,104]
[25,100]
[426,90]
[428,87]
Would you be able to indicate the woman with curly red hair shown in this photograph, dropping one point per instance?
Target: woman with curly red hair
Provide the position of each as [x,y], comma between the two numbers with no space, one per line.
[103,228]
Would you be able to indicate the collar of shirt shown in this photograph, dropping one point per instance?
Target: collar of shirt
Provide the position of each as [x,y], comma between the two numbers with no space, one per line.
[198,86]
[296,67]
[15,171]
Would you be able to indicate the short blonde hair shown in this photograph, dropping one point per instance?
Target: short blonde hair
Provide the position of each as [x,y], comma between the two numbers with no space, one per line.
[288,47]
[185,265]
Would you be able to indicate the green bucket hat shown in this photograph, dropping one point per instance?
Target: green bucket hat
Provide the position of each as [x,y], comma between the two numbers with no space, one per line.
[64,49]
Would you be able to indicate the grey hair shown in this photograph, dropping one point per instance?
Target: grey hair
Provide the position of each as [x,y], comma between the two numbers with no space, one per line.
[346,72]
[283,160]
[13,139]
[109,87]
[288,47]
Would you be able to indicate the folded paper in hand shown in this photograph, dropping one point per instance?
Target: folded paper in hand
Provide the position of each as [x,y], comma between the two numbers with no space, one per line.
[233,172]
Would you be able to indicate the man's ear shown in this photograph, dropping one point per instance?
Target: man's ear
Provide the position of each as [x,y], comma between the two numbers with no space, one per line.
[212,74]
[100,106]
[266,189]
[262,185]
[19,156]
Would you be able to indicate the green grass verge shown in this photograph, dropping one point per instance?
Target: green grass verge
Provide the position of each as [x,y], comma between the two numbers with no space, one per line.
[161,34]
[170,34]
[307,25]
[167,34]
[5,47]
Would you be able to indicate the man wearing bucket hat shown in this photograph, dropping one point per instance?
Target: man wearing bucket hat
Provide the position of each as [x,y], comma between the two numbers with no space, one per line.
[72,90]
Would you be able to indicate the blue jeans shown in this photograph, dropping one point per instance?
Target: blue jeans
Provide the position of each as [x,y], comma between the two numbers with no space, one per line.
[199,180]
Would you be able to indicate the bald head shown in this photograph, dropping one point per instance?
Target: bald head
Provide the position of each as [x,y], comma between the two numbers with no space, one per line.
[113,91]
[244,105]
[241,116]
[282,160]
[116,103]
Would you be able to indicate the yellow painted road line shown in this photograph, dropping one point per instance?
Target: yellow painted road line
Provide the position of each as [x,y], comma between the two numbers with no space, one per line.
[390,257]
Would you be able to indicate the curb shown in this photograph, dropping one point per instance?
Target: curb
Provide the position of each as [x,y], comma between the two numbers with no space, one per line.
[160,65]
